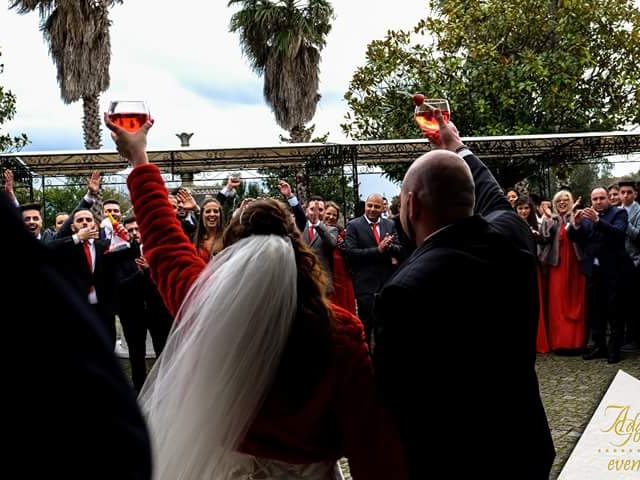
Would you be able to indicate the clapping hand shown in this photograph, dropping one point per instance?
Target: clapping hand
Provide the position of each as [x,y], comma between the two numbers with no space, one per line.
[385,242]
[141,262]
[590,214]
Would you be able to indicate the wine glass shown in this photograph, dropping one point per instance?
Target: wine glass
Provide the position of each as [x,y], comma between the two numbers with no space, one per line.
[130,115]
[425,118]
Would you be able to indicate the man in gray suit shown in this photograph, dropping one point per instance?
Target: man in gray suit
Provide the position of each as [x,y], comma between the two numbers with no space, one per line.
[628,191]
[321,238]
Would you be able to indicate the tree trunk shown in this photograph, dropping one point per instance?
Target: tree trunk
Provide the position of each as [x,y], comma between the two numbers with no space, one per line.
[91,122]
[299,134]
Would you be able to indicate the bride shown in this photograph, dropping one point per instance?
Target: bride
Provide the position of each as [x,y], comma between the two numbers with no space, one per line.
[261,377]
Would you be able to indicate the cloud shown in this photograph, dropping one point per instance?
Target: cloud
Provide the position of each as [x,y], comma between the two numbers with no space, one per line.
[182,59]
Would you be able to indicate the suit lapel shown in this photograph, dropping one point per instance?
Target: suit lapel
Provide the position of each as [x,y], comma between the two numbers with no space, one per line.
[382,228]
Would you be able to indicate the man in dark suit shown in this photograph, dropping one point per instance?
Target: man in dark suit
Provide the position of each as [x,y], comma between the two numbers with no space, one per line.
[370,246]
[91,270]
[600,230]
[628,198]
[64,379]
[456,295]
[140,307]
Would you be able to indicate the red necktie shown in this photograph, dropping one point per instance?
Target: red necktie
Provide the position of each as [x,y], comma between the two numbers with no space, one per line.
[311,233]
[375,232]
[87,253]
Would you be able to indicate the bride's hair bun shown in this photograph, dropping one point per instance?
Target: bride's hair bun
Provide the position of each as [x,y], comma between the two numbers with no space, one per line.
[261,217]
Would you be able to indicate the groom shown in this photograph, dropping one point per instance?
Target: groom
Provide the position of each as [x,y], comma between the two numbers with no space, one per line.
[456,296]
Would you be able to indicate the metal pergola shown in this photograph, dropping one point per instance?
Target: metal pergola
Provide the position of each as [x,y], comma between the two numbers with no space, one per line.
[546,150]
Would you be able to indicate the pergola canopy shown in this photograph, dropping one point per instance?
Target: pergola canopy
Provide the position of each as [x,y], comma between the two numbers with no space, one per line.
[548,148]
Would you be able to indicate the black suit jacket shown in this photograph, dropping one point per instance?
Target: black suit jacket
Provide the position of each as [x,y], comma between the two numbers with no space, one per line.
[104,278]
[604,240]
[71,413]
[469,292]
[369,268]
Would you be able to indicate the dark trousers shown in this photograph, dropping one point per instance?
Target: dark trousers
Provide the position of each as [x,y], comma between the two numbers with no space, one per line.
[365,313]
[136,317]
[606,305]
[108,320]
[632,333]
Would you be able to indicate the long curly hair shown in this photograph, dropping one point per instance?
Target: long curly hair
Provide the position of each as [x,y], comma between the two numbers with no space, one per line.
[201,231]
[306,355]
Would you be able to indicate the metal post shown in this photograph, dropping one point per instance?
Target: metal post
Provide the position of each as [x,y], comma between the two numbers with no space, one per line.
[353,154]
[44,198]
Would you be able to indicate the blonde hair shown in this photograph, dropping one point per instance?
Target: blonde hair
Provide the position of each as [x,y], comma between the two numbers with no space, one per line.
[556,198]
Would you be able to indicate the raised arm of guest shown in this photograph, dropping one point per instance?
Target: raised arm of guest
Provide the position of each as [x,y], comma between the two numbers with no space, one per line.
[490,200]
[9,187]
[229,190]
[172,258]
[294,203]
[86,202]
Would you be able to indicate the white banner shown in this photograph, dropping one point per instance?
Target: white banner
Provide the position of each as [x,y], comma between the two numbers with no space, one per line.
[610,445]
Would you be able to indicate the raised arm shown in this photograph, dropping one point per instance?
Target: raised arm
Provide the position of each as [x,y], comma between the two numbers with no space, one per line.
[172,258]
[9,189]
[490,200]
[296,208]
[93,187]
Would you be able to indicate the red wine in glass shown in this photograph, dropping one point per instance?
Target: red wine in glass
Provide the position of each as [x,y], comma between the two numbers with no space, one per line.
[424,115]
[130,121]
[130,115]
[426,119]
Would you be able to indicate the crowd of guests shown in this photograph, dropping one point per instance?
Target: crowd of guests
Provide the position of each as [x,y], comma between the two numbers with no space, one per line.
[588,260]
[589,270]
[266,371]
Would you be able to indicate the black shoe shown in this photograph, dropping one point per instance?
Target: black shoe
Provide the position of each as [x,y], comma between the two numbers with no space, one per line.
[596,352]
[613,357]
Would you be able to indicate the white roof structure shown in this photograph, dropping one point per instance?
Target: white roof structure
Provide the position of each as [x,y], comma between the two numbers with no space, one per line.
[548,149]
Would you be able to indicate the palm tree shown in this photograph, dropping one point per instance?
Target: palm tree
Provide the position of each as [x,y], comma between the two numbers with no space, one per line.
[77,32]
[282,40]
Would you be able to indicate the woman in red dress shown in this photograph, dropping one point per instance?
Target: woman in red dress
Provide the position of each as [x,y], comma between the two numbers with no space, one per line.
[526,211]
[343,293]
[566,307]
[261,377]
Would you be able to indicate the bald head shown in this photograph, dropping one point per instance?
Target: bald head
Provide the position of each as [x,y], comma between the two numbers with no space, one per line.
[374,207]
[437,190]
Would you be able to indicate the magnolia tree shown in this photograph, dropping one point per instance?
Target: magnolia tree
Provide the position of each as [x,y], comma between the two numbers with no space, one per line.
[507,67]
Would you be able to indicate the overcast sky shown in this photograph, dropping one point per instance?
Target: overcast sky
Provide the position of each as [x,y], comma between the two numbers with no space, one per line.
[181,59]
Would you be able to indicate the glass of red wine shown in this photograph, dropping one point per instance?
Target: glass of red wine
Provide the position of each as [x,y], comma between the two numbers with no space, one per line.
[424,116]
[128,114]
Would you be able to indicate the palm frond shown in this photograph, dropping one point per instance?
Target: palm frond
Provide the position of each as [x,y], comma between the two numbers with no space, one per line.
[282,40]
[79,43]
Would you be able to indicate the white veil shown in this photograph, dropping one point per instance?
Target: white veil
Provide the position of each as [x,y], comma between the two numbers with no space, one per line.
[222,354]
